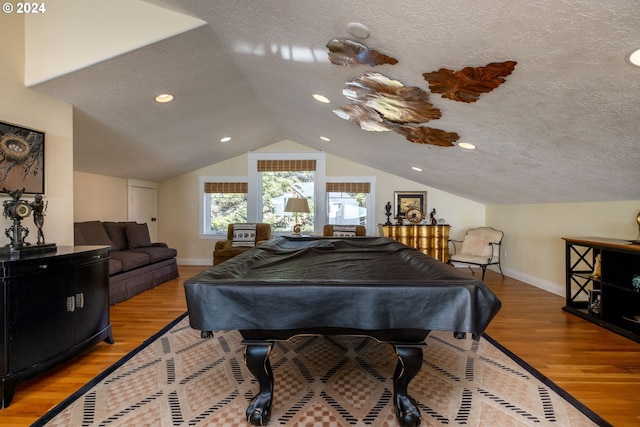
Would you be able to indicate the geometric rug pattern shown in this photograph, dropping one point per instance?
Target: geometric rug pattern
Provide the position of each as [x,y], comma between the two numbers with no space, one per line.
[179,379]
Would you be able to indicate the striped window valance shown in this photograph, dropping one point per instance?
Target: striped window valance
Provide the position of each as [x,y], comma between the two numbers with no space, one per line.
[226,187]
[348,187]
[286,165]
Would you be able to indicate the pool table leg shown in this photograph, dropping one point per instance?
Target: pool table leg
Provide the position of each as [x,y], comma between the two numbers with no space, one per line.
[256,357]
[409,363]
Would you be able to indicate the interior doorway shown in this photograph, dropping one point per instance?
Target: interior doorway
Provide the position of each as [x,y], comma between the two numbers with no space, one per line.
[143,205]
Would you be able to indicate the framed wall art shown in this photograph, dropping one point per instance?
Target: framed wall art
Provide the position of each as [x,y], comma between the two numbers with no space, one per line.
[21,159]
[407,200]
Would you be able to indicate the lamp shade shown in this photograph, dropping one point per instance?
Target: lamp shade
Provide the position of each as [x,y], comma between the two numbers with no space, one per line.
[297,205]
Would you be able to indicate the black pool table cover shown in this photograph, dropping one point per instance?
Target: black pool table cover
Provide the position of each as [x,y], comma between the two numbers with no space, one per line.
[366,283]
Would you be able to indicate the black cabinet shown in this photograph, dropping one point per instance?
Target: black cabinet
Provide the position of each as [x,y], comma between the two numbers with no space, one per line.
[599,273]
[53,305]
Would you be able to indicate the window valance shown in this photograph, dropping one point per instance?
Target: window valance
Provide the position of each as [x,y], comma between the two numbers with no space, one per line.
[349,187]
[226,187]
[286,165]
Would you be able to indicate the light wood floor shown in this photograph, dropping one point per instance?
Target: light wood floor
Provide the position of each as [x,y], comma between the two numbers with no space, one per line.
[598,367]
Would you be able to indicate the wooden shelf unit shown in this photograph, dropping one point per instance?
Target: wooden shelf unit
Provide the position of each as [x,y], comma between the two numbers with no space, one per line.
[431,240]
[619,301]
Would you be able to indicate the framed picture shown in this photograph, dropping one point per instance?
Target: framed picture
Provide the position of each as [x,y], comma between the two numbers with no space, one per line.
[407,200]
[21,159]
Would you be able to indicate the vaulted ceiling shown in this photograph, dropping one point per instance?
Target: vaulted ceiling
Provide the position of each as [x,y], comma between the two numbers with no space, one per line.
[563,127]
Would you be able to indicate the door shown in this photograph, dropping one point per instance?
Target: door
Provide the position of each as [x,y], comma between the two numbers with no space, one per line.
[143,207]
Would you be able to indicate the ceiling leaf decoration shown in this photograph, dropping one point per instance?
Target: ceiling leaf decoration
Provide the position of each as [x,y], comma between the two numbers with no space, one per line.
[348,53]
[367,118]
[391,99]
[468,84]
[425,135]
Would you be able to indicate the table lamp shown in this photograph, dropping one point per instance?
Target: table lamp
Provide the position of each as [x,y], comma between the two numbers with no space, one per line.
[297,205]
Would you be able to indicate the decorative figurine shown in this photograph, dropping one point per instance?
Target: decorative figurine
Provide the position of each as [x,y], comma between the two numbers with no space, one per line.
[597,267]
[16,210]
[39,207]
[388,213]
[434,221]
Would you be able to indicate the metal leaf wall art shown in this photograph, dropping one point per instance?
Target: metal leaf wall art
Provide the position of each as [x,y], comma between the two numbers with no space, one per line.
[349,53]
[468,84]
[391,99]
[381,104]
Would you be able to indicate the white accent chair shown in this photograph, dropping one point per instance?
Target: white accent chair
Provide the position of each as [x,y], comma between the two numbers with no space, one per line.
[481,246]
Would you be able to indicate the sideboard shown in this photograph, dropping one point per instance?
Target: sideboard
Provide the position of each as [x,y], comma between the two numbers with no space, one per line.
[432,240]
[599,288]
[53,305]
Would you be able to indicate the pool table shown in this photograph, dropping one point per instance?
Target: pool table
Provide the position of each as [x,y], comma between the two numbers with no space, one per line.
[370,286]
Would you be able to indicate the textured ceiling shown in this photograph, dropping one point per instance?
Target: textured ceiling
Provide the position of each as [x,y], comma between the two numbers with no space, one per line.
[563,128]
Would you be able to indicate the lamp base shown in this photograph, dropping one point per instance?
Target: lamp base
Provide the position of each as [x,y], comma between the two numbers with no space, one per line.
[296,230]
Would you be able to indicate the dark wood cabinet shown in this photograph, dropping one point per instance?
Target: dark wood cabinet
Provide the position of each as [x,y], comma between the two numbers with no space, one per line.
[53,305]
[604,294]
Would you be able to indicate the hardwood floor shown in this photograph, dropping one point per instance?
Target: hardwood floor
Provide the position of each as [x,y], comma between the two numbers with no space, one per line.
[596,366]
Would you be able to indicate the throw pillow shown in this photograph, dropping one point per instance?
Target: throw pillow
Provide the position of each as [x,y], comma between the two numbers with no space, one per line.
[344,231]
[475,246]
[118,234]
[138,235]
[244,235]
[91,233]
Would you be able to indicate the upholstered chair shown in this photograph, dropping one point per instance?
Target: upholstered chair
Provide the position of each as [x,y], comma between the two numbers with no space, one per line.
[240,238]
[344,230]
[481,247]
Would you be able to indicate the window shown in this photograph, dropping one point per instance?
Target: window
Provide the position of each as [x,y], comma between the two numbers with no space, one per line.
[224,203]
[350,202]
[280,176]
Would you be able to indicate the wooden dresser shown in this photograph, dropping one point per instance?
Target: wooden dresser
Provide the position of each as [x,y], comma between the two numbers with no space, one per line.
[431,240]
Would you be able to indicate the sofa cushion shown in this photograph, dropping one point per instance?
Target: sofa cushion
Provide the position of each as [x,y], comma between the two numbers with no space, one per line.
[344,231]
[115,266]
[91,233]
[117,232]
[156,253]
[138,235]
[244,235]
[130,259]
[476,246]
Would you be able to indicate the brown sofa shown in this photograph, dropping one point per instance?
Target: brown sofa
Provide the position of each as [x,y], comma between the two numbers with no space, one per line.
[135,264]
[225,249]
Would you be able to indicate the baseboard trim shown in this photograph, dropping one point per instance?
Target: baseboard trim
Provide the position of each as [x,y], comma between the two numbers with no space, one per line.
[195,261]
[543,284]
[534,281]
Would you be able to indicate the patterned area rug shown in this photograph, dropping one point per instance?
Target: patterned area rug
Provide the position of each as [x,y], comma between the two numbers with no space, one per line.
[179,379]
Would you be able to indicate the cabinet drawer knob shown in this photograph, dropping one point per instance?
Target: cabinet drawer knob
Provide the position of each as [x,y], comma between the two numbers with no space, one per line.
[71,304]
[80,300]
[43,266]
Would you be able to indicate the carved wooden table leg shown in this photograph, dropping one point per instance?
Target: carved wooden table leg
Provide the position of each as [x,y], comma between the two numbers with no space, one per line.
[409,363]
[256,357]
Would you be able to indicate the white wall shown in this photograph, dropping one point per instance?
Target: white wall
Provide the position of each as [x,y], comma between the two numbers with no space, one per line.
[533,245]
[99,198]
[31,109]
[180,201]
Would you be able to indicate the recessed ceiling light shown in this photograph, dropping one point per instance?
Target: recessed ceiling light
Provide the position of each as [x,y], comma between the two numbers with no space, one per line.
[634,58]
[417,169]
[358,30]
[324,138]
[165,97]
[225,139]
[466,146]
[321,98]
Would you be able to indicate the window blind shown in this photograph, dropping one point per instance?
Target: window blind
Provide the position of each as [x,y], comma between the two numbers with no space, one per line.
[226,187]
[286,165]
[348,187]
